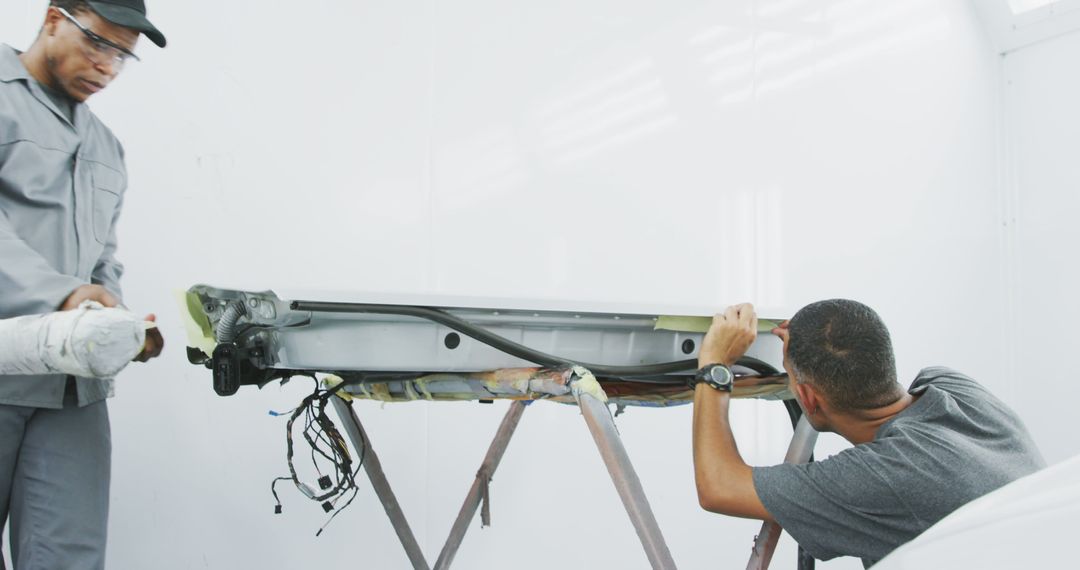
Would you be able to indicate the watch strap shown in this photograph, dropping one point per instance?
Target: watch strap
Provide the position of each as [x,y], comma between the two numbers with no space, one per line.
[708,375]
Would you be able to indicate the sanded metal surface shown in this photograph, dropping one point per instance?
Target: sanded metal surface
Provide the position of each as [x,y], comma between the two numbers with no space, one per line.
[344,341]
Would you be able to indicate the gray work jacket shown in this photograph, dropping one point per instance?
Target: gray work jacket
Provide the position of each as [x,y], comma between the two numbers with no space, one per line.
[61,188]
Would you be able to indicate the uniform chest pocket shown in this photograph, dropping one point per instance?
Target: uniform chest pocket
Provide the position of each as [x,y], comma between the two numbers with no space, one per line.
[108,184]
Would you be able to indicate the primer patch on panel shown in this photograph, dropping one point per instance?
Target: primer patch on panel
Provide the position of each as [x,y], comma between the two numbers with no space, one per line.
[199,333]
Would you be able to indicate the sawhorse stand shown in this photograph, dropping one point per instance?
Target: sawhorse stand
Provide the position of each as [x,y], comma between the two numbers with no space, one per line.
[602,426]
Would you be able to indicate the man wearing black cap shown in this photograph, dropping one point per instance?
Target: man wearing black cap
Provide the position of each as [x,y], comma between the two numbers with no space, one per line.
[62,182]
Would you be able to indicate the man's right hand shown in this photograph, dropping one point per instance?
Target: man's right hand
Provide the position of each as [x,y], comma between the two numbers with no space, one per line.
[89,293]
[731,334]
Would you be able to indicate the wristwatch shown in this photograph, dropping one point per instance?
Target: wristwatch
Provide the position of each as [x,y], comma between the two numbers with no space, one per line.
[718,376]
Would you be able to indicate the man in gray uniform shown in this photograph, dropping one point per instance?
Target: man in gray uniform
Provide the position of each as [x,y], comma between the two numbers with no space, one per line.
[62,182]
[918,454]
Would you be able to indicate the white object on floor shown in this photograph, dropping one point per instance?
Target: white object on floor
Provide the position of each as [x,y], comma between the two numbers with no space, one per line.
[1029,523]
[90,341]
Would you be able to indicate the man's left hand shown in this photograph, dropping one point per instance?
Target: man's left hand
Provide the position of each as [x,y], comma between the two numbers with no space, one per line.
[154,342]
[731,334]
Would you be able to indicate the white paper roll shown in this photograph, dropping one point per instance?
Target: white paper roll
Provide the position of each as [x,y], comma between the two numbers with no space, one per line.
[90,341]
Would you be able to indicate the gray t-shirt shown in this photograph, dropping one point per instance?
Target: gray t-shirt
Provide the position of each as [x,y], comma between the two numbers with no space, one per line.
[955,443]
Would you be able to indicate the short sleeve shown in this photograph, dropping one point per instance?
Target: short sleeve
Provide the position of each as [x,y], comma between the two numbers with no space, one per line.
[835,507]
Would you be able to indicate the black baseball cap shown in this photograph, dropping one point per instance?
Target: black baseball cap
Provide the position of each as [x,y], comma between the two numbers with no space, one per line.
[130,14]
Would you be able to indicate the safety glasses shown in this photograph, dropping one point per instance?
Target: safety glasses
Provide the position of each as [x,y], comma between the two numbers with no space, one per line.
[99,50]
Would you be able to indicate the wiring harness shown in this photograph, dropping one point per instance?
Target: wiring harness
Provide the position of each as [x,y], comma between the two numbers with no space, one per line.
[327,446]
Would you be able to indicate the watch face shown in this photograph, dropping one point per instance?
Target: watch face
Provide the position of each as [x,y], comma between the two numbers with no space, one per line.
[716,375]
[720,376]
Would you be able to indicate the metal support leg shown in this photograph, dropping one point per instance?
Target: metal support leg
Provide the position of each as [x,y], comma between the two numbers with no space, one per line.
[799,451]
[487,469]
[626,481]
[373,468]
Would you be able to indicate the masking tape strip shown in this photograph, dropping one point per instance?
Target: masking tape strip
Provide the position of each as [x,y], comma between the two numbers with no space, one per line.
[587,384]
[701,324]
[200,334]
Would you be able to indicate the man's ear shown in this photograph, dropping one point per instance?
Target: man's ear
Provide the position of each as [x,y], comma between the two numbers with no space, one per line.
[808,397]
[52,20]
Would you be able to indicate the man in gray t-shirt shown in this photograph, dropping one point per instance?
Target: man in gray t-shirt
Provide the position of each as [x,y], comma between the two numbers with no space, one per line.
[919,454]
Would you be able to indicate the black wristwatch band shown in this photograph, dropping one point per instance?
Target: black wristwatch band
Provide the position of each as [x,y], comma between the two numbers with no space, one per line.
[717,376]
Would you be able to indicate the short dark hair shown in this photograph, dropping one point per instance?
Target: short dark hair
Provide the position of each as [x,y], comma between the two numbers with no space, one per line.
[843,348]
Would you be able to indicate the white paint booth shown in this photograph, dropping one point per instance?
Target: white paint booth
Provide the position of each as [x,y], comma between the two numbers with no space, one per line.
[915,155]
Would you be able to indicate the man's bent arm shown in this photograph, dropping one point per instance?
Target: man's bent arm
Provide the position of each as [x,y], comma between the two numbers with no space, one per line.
[725,483]
[29,283]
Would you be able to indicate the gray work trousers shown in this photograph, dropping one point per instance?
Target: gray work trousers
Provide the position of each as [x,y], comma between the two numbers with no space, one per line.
[54,484]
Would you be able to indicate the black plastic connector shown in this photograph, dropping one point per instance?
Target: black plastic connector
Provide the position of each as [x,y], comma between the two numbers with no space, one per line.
[226,369]
[326,506]
[325,483]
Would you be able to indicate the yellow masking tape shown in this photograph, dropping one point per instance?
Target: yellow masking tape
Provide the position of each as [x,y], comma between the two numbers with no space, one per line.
[199,333]
[587,383]
[332,380]
[422,385]
[701,324]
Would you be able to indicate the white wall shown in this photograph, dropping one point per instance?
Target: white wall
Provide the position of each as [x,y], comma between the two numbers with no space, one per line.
[778,151]
[1043,197]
